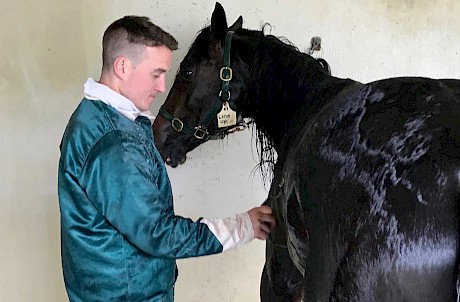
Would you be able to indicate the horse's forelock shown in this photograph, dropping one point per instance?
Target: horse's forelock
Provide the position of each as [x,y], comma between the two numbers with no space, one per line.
[201,45]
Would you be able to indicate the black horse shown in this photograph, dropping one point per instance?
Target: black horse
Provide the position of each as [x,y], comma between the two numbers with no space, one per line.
[366,177]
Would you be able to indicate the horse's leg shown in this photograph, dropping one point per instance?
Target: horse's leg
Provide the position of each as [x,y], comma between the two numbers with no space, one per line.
[280,281]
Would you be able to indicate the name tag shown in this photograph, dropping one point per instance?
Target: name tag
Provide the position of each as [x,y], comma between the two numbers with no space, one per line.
[226,117]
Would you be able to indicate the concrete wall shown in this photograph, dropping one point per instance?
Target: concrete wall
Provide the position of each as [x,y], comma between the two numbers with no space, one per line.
[49,48]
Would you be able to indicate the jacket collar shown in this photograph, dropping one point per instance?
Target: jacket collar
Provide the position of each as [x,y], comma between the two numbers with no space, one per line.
[98,92]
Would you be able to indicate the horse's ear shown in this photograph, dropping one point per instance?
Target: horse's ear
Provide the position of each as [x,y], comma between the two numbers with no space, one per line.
[218,23]
[237,25]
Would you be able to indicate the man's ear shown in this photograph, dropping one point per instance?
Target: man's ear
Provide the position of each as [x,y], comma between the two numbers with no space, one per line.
[121,67]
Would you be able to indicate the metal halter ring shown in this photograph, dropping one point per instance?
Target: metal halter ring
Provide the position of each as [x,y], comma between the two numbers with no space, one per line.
[177,124]
[228,95]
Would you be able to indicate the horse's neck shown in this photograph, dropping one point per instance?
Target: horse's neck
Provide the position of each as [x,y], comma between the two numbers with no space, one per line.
[285,87]
[318,96]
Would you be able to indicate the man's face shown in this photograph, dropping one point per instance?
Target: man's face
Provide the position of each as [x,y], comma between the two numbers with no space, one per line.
[148,78]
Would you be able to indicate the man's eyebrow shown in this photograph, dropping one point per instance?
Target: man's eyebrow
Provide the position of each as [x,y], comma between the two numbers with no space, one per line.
[160,70]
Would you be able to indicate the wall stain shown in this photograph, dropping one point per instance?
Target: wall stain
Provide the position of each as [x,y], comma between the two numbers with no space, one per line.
[420,14]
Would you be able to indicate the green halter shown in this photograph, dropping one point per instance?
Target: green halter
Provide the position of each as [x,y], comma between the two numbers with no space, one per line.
[225,74]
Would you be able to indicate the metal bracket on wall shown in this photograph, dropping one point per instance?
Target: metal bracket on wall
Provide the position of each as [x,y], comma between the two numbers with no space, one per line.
[315,45]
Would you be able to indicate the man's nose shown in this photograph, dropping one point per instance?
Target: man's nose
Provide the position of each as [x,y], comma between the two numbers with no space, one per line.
[161,84]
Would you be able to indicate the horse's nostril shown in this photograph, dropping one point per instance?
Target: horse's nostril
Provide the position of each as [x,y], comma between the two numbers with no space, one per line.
[182,160]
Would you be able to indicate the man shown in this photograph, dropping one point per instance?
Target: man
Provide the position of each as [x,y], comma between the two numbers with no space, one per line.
[119,233]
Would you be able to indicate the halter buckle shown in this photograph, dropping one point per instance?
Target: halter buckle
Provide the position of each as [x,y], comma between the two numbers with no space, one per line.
[200,133]
[226,74]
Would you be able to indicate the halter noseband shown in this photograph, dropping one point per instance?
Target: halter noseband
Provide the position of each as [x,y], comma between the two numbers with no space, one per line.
[201,131]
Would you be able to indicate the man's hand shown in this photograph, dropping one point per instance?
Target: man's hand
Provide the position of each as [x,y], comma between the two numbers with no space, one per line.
[262,221]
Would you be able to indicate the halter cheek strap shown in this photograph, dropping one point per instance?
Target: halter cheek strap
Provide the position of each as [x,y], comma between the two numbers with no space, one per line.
[201,131]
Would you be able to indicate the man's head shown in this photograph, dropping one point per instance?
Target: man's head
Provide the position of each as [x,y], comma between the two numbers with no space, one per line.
[136,54]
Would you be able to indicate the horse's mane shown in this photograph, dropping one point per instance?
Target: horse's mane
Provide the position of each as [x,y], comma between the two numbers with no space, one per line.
[277,58]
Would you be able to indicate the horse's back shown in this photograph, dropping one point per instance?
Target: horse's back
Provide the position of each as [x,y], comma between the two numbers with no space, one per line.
[376,174]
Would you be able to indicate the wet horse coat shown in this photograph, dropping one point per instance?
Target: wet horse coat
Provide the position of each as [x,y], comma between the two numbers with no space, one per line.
[366,181]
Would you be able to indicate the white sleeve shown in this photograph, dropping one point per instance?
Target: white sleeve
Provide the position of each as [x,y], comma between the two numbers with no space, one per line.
[231,232]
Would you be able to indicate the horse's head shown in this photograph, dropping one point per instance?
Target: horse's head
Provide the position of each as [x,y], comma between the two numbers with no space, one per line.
[200,104]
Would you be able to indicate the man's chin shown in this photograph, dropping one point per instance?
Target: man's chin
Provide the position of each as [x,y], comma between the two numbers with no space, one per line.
[147,106]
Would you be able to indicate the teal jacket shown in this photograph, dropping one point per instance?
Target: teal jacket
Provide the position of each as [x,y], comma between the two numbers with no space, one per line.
[119,233]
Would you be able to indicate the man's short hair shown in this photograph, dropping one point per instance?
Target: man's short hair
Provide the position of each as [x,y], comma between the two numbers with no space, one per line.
[128,37]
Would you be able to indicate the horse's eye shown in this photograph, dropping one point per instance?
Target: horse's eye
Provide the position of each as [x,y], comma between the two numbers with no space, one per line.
[188,73]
